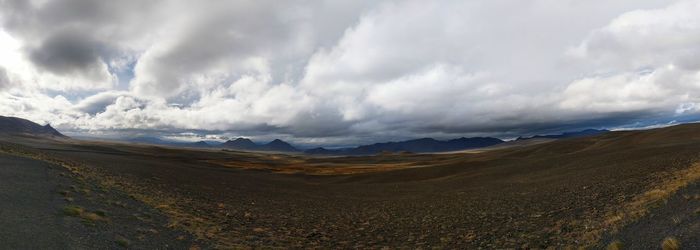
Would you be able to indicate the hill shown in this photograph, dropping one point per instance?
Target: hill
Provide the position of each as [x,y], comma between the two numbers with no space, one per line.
[240,144]
[278,145]
[19,126]
[245,144]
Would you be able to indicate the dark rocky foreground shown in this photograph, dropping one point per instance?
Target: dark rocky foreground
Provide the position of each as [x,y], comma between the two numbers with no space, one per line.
[44,206]
[677,217]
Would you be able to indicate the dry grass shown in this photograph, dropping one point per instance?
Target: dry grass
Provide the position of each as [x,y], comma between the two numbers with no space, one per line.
[674,182]
[615,245]
[670,183]
[670,243]
[86,216]
[324,168]
[73,210]
[178,210]
[123,242]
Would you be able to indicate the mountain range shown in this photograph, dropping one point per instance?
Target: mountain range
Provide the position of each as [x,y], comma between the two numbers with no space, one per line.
[423,145]
[14,125]
[586,132]
[158,141]
[242,144]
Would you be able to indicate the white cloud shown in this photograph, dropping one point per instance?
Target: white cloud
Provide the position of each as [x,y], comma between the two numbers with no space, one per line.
[646,38]
[649,59]
[348,70]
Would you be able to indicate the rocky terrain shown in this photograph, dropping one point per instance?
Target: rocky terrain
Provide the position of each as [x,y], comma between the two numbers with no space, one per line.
[587,191]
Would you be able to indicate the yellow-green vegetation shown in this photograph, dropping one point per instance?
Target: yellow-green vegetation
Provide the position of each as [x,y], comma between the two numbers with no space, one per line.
[101,213]
[77,211]
[73,210]
[89,216]
[670,243]
[121,241]
[676,220]
[615,245]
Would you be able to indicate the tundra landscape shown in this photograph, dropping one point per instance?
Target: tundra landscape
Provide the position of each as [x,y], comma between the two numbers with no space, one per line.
[349,124]
[635,187]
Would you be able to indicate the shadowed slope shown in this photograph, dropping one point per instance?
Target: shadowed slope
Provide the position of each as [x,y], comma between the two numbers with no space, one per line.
[14,125]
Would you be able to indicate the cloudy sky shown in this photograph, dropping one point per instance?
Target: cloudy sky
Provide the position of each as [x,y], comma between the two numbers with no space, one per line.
[347,72]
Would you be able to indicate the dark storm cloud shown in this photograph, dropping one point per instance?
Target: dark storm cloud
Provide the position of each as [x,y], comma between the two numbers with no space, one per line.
[67,52]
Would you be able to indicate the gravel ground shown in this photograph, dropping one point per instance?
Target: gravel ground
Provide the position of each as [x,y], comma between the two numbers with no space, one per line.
[679,217]
[30,205]
[44,206]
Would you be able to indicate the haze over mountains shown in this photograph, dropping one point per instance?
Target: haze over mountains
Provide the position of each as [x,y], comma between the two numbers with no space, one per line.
[242,144]
[13,125]
[422,145]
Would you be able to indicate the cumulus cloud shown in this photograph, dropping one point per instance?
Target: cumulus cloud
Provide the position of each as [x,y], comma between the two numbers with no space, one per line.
[643,60]
[223,41]
[344,72]
[98,103]
[646,39]
[4,79]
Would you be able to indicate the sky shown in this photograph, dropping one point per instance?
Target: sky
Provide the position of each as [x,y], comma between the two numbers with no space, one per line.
[348,72]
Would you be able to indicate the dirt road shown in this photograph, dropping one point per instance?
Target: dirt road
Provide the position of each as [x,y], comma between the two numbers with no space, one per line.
[29,207]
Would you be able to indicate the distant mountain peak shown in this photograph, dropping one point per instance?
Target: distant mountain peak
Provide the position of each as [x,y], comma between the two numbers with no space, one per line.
[279,145]
[240,144]
[242,139]
[247,144]
[278,141]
